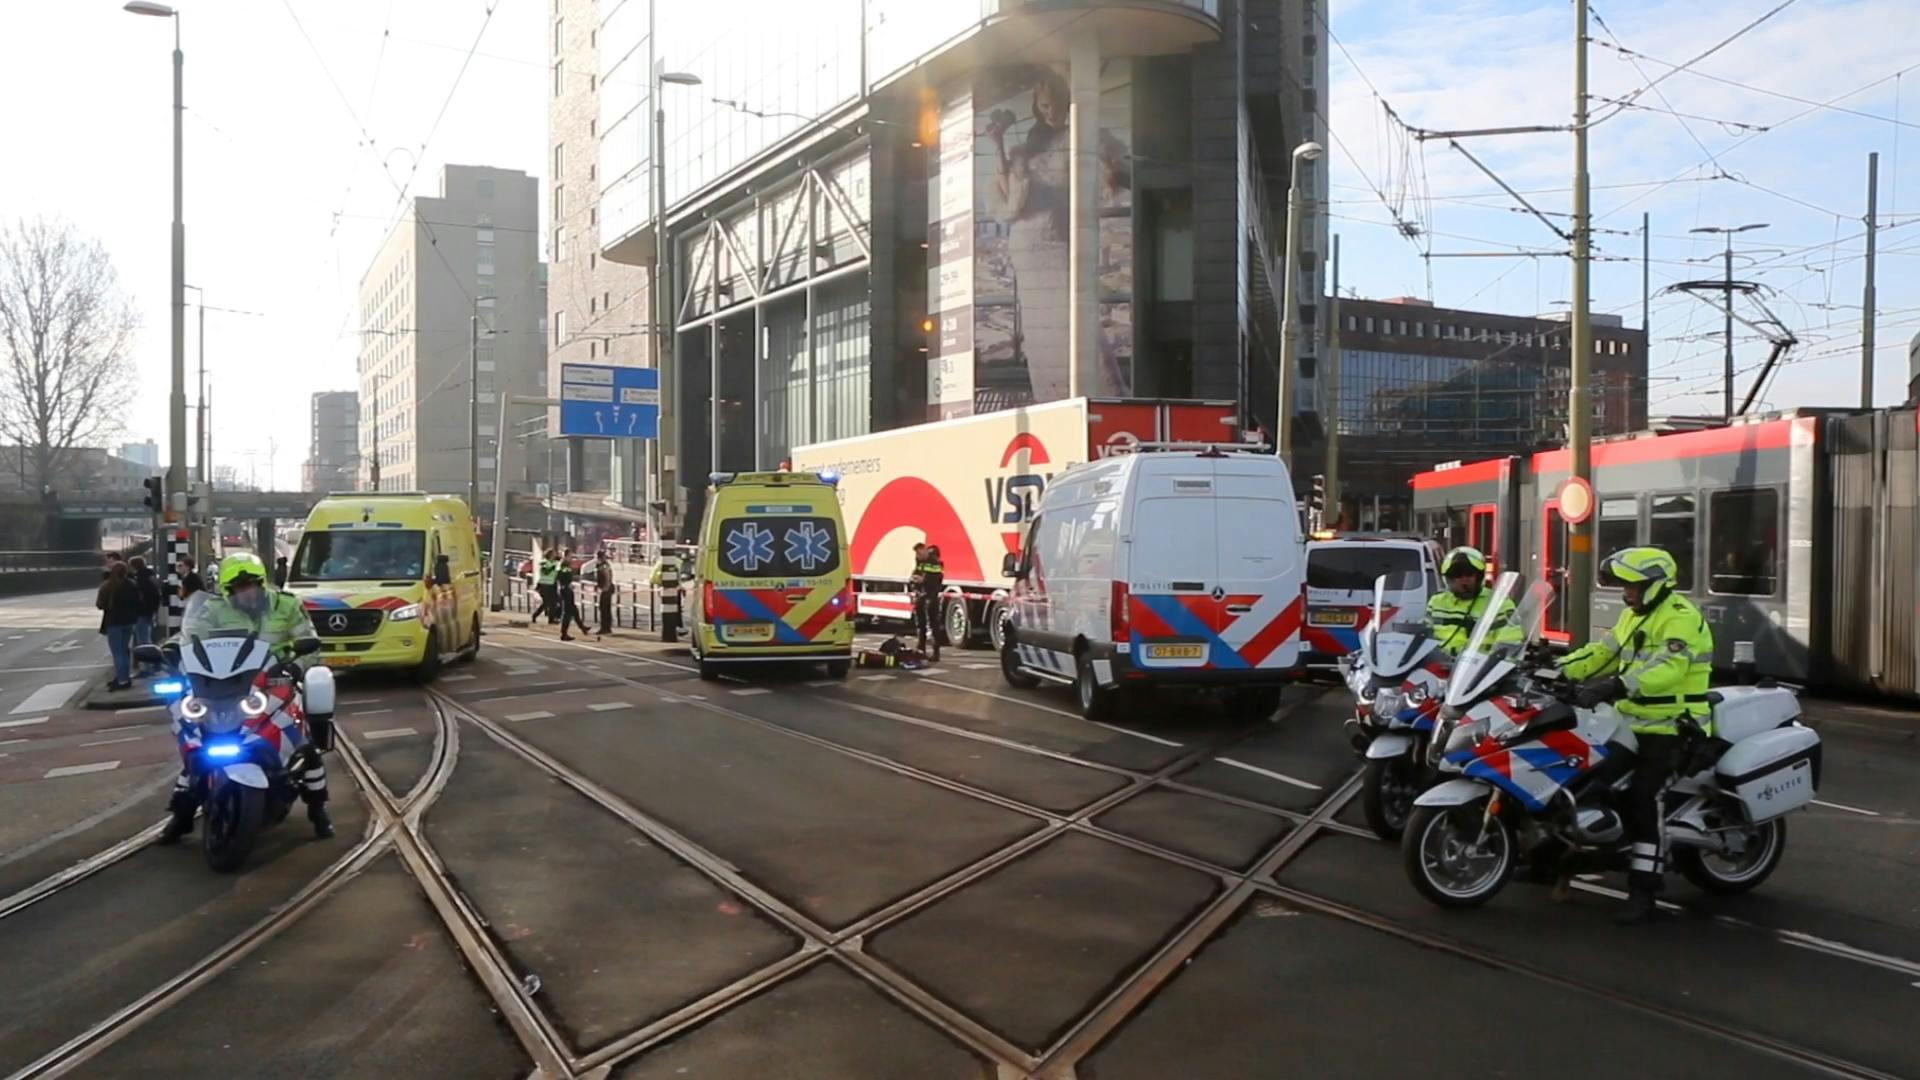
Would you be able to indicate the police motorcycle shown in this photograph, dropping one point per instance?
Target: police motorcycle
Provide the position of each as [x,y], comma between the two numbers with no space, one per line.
[1398,676]
[247,724]
[1539,783]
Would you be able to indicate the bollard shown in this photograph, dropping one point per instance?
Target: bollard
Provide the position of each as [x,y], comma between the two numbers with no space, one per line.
[1743,662]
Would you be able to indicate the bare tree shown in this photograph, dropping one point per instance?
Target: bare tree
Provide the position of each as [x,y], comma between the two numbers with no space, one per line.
[66,337]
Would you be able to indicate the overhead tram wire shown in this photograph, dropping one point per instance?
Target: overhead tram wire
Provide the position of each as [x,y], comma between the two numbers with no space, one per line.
[1654,83]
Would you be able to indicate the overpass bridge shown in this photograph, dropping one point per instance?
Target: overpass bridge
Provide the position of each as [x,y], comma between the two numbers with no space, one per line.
[129,502]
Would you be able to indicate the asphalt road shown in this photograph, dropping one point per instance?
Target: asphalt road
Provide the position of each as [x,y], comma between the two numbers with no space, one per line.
[581,859]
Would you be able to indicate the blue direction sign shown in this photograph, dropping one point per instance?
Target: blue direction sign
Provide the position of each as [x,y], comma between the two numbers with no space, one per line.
[602,402]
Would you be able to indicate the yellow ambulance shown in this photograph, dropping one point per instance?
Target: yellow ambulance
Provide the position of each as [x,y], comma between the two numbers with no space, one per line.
[771,574]
[391,580]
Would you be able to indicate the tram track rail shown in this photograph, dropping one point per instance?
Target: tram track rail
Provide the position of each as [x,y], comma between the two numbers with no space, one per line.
[397,822]
[1095,1026]
[374,841]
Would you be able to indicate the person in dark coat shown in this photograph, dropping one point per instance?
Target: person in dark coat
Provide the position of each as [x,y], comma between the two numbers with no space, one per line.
[146,585]
[569,600]
[119,604]
[280,572]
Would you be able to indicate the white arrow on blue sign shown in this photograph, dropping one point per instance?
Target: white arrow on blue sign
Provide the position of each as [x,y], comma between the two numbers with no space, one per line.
[599,401]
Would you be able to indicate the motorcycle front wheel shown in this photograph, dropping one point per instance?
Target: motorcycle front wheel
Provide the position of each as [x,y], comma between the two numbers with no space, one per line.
[1449,861]
[234,816]
[1387,792]
[1714,872]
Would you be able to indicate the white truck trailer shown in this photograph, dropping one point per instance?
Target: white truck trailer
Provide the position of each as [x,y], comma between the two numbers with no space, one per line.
[970,485]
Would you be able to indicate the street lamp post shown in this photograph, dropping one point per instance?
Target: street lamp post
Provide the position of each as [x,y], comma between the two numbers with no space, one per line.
[661,283]
[1727,388]
[1289,307]
[177,399]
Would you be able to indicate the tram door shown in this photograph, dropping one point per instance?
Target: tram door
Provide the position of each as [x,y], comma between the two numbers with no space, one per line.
[1553,570]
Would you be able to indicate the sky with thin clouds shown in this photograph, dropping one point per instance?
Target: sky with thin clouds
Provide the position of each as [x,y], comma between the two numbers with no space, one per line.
[291,183]
[306,118]
[1498,63]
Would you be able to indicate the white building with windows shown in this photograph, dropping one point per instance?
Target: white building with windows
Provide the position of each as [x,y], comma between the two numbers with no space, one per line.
[469,254]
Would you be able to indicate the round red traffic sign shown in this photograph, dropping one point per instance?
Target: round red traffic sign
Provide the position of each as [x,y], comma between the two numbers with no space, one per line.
[1576,500]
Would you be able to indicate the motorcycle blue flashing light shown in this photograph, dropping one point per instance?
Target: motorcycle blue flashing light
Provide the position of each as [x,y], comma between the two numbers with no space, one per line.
[223,750]
[167,687]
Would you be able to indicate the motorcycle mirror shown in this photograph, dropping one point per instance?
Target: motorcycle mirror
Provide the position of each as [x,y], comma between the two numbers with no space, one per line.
[149,654]
[442,573]
[304,646]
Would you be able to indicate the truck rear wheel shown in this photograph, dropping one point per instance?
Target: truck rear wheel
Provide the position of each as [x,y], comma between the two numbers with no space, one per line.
[959,623]
[997,613]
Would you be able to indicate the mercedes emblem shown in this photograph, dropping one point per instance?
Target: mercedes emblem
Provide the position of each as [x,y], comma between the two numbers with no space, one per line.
[337,623]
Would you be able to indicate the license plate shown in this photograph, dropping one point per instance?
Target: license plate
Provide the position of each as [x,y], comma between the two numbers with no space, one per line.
[1176,652]
[747,632]
[1333,618]
[339,661]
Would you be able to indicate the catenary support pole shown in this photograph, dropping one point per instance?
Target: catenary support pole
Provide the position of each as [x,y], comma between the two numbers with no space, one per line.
[1578,582]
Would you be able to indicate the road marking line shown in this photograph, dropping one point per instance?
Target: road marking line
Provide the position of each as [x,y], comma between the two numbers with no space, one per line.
[635,663]
[923,672]
[979,667]
[1012,700]
[1269,773]
[455,678]
[14,742]
[874,678]
[110,742]
[50,696]
[389,733]
[55,667]
[750,691]
[1848,809]
[129,727]
[140,709]
[537,714]
[696,697]
[1136,734]
[76,770]
[369,712]
[609,706]
[22,723]
[825,682]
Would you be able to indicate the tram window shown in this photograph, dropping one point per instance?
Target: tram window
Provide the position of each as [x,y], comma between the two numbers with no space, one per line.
[1619,527]
[1744,559]
[1672,528]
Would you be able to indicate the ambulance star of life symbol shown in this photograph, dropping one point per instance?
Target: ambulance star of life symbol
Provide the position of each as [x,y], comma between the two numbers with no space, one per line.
[750,546]
[808,547]
[337,623]
[1219,593]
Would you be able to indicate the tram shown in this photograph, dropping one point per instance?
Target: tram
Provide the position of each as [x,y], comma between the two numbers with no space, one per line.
[1795,533]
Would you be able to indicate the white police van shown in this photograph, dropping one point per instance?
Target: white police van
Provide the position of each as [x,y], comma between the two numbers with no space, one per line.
[1175,564]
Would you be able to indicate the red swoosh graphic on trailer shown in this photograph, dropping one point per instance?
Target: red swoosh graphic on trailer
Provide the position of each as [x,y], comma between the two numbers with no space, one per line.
[912,503]
[1028,441]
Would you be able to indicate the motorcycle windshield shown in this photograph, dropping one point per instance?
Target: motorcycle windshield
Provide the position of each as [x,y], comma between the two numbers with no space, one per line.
[1392,638]
[1507,628]
[221,665]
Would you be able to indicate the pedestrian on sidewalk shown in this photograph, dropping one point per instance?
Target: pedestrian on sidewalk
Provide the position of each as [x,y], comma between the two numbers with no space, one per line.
[569,602]
[544,585]
[119,604]
[146,586]
[190,581]
[603,585]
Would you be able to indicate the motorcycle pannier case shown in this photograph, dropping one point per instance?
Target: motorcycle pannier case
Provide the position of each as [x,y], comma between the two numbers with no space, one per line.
[1772,772]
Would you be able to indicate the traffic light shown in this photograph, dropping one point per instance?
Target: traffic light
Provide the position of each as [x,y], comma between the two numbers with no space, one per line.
[155,499]
[1319,500]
